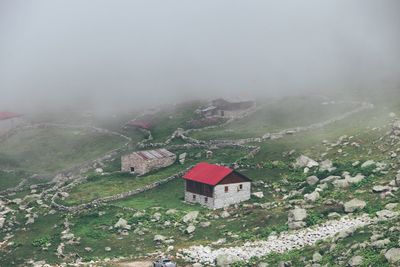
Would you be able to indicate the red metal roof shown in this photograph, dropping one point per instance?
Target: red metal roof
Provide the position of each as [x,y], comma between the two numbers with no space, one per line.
[8,115]
[207,173]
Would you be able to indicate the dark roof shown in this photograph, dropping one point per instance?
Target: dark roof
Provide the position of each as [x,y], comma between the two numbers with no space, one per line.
[207,173]
[8,115]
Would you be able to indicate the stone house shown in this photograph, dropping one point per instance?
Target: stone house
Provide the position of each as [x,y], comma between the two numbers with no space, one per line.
[226,109]
[216,186]
[141,162]
[9,120]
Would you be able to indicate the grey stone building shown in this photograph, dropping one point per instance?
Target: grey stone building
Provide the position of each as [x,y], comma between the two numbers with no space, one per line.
[216,186]
[141,162]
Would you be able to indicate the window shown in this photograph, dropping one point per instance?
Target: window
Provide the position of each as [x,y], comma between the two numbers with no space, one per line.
[194,197]
[226,189]
[132,169]
[206,200]
[240,187]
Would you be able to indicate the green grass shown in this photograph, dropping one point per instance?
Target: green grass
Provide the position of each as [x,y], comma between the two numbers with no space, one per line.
[272,117]
[107,185]
[49,150]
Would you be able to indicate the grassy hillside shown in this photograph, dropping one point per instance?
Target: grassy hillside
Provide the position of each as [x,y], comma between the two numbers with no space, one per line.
[49,150]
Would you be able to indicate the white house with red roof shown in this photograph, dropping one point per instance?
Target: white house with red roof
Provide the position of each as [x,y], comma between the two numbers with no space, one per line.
[216,186]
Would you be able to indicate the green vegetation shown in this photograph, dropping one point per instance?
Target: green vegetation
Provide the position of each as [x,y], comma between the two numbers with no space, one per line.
[47,150]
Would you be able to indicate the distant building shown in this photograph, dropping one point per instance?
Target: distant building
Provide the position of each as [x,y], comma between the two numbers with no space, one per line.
[145,122]
[9,120]
[216,186]
[142,162]
[223,108]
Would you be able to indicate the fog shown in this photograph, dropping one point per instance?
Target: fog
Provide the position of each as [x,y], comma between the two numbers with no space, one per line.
[138,53]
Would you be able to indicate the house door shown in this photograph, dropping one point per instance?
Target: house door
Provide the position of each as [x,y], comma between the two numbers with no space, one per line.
[132,169]
[222,113]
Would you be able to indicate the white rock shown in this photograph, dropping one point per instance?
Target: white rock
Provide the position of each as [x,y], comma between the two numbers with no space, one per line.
[190,229]
[258,194]
[190,217]
[122,224]
[368,163]
[353,205]
[355,261]
[304,161]
[312,197]
[312,180]
[393,255]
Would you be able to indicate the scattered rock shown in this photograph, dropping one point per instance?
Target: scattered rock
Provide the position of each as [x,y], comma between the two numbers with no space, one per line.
[312,180]
[122,224]
[190,229]
[368,163]
[304,161]
[355,261]
[380,188]
[312,197]
[353,205]
[258,194]
[393,255]
[190,217]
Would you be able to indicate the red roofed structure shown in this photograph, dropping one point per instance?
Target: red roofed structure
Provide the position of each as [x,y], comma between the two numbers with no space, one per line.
[215,186]
[5,115]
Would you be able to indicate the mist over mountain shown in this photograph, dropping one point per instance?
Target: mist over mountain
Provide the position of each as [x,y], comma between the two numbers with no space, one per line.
[138,53]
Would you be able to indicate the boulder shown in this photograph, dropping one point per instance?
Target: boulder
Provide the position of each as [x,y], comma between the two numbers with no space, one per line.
[108,249]
[190,217]
[326,165]
[355,261]
[226,260]
[190,229]
[304,161]
[353,205]
[258,194]
[312,197]
[182,158]
[368,163]
[122,224]
[225,214]
[2,221]
[312,180]
[317,257]
[393,255]
[386,214]
[159,238]
[380,188]
[342,183]
[297,214]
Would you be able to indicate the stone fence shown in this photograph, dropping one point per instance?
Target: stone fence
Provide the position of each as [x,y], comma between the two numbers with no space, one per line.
[101,201]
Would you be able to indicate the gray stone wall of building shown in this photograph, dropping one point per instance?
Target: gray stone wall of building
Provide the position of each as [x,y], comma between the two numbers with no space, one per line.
[233,196]
[221,198]
[142,166]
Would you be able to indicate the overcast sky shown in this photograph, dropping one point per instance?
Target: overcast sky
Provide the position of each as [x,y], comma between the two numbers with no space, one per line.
[135,52]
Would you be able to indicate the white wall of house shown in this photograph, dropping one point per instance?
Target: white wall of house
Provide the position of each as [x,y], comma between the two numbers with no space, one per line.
[9,124]
[234,194]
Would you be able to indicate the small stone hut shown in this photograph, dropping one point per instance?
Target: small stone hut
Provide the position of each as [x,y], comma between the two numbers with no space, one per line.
[141,162]
[216,186]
